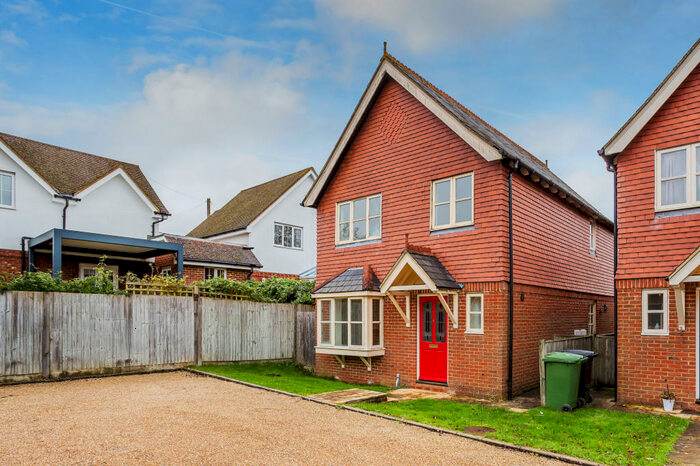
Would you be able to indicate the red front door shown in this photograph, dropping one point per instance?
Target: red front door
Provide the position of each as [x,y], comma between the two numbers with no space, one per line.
[433,340]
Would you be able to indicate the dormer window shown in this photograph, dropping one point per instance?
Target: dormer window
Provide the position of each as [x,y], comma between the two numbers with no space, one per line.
[7,189]
[678,177]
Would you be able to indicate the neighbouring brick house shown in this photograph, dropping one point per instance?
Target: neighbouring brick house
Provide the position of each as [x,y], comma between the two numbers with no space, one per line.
[656,160]
[204,259]
[414,248]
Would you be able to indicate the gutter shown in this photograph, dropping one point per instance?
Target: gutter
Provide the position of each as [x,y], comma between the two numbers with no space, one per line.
[67,198]
[611,166]
[511,279]
[163,217]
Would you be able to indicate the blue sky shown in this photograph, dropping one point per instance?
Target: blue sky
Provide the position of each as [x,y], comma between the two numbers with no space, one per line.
[212,97]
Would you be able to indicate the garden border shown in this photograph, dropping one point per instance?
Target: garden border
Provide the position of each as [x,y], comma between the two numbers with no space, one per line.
[496,443]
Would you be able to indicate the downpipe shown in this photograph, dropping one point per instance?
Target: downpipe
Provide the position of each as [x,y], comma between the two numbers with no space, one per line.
[511,281]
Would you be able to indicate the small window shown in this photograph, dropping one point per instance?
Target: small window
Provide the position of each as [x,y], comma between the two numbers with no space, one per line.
[655,312]
[678,177]
[288,236]
[475,313]
[591,318]
[591,235]
[452,202]
[359,220]
[166,271]
[7,189]
[214,272]
[90,270]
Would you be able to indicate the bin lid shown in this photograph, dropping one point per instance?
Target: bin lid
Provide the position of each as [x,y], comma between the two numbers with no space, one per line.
[582,352]
[564,358]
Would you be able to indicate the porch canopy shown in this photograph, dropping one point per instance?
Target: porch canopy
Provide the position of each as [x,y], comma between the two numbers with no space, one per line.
[419,270]
[58,241]
[687,271]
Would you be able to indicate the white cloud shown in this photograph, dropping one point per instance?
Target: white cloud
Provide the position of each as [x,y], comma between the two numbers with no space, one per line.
[141,58]
[29,8]
[422,25]
[10,38]
[204,131]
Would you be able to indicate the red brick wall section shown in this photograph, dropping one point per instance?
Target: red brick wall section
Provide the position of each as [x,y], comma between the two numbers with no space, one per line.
[541,313]
[646,362]
[650,246]
[402,170]
[552,243]
[260,276]
[10,261]
[477,364]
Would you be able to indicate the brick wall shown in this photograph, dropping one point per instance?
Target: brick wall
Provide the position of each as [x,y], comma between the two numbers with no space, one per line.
[10,261]
[645,362]
[477,364]
[260,276]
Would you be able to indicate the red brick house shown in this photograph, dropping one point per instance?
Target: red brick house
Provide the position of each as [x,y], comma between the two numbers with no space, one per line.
[655,157]
[445,250]
[203,259]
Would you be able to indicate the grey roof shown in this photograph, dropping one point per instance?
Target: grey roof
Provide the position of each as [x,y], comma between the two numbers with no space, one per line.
[435,270]
[507,147]
[200,250]
[353,279]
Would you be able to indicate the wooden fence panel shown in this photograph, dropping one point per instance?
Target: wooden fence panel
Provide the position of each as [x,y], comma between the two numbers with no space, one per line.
[246,331]
[306,336]
[603,369]
[21,318]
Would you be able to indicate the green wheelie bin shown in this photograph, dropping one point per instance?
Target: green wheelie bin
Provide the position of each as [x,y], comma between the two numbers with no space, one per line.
[562,376]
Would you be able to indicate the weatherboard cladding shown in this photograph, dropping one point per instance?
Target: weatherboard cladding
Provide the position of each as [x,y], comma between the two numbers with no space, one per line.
[69,172]
[248,204]
[208,251]
[435,270]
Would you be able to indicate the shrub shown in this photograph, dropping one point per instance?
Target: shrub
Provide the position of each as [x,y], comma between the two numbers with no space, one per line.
[271,290]
[102,282]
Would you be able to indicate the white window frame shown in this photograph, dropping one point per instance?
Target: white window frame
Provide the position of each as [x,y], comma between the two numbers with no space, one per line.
[645,311]
[592,235]
[367,217]
[592,324]
[294,228]
[692,170]
[366,322]
[470,330]
[82,267]
[12,190]
[216,272]
[453,202]
[166,271]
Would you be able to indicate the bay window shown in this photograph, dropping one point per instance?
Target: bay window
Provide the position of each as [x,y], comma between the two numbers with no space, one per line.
[351,324]
[452,202]
[678,177]
[359,219]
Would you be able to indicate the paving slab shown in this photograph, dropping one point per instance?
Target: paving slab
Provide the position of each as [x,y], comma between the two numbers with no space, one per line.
[351,395]
[405,394]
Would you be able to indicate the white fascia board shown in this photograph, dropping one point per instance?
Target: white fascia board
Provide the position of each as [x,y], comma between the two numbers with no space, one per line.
[685,270]
[111,175]
[216,265]
[15,158]
[483,147]
[310,174]
[223,236]
[619,142]
[403,261]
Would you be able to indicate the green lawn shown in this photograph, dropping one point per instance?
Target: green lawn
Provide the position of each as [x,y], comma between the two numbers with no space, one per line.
[603,436]
[283,376]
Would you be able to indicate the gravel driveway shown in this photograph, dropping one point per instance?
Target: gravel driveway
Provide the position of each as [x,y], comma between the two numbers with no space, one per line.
[181,417]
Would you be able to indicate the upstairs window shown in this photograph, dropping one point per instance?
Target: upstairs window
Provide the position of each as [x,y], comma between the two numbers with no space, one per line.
[288,236]
[7,189]
[678,177]
[359,220]
[655,312]
[452,202]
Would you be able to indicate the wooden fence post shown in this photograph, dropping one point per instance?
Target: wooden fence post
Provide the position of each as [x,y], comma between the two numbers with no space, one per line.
[543,353]
[46,336]
[197,327]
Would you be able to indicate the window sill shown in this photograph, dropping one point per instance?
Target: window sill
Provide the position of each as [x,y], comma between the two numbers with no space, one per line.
[676,212]
[648,334]
[288,247]
[445,231]
[358,243]
[366,352]
[8,207]
[474,332]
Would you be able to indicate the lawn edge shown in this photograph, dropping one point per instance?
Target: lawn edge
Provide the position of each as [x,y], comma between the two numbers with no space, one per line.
[496,443]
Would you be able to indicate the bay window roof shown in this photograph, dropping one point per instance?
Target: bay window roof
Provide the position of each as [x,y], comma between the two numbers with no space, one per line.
[351,280]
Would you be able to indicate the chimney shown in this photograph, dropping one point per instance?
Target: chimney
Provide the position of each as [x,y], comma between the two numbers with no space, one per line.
[208,207]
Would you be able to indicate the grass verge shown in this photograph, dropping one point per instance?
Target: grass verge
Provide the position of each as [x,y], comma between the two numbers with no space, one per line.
[283,376]
[604,436]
